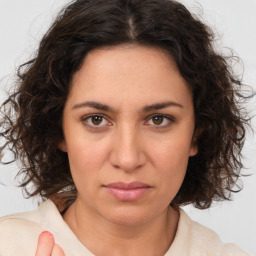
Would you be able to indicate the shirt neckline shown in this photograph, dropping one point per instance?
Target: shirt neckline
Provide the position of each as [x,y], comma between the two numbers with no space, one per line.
[54,221]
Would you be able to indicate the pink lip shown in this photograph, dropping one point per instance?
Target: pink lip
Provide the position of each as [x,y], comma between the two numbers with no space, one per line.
[127,191]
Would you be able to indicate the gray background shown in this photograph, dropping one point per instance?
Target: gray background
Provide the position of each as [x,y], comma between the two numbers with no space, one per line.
[22,23]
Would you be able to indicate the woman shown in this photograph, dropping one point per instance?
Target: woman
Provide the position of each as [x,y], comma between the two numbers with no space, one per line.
[125,114]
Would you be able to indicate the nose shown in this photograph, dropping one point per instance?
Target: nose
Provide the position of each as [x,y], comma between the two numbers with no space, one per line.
[127,152]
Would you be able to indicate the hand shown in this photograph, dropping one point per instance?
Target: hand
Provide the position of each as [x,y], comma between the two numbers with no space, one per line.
[46,246]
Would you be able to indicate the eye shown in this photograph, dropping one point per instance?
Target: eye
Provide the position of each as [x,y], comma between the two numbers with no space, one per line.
[160,120]
[96,120]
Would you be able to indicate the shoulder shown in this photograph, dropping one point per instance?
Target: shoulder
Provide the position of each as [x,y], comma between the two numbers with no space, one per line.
[208,240]
[19,232]
[192,238]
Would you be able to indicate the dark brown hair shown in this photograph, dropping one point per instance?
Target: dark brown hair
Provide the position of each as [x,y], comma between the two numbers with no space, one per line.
[32,115]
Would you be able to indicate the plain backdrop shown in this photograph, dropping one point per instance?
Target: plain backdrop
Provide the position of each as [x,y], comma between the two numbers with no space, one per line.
[22,24]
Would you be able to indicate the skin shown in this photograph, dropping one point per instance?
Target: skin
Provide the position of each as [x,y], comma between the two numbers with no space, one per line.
[47,247]
[135,136]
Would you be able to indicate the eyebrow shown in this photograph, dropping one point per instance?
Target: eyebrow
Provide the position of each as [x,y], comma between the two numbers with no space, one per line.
[148,108]
[93,104]
[161,105]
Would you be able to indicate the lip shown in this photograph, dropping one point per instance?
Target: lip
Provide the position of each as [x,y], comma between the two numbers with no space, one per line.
[128,192]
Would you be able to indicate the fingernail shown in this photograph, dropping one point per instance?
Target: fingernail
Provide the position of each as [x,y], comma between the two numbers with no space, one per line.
[47,234]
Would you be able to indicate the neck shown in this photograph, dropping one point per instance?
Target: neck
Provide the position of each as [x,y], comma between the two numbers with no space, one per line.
[153,237]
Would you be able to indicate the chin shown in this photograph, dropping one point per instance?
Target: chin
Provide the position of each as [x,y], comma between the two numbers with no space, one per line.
[129,216]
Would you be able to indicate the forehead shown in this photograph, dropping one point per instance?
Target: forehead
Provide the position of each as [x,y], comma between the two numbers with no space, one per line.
[129,72]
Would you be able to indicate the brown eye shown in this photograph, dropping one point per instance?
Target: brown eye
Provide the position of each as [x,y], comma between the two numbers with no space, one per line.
[157,120]
[160,121]
[96,120]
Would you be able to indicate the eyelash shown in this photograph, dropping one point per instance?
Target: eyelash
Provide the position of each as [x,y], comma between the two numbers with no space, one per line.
[170,119]
[86,118]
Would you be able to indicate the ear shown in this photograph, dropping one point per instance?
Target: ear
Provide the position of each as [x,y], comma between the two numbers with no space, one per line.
[194,146]
[63,146]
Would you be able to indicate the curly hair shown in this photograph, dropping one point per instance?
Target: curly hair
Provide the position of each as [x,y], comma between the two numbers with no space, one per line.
[31,120]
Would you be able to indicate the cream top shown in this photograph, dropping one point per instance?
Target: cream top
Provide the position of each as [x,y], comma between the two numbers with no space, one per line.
[19,235]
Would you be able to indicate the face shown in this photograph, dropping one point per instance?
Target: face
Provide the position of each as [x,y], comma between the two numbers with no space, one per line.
[128,124]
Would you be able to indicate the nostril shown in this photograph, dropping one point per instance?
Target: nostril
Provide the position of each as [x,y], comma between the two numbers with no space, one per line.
[128,164]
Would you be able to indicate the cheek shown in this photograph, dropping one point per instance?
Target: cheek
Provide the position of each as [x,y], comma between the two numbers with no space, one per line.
[170,162]
[85,157]
[84,164]
[170,159]
[173,152]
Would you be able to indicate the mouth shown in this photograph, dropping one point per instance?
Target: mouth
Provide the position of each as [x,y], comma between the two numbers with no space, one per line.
[127,192]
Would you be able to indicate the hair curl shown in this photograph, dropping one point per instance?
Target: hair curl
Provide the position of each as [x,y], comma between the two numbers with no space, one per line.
[32,115]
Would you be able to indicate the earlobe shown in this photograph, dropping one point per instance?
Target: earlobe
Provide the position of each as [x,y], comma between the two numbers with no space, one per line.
[194,147]
[63,146]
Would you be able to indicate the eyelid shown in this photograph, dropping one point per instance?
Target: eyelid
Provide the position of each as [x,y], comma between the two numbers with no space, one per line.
[171,119]
[86,117]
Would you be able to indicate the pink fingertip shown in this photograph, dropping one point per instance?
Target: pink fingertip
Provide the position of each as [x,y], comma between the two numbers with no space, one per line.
[48,234]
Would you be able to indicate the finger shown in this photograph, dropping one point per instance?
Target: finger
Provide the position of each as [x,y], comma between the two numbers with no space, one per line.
[45,244]
[57,251]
